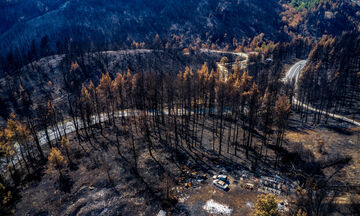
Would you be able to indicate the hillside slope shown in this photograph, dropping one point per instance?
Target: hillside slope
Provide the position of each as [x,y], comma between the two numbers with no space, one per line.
[331,78]
[330,17]
[139,20]
[214,21]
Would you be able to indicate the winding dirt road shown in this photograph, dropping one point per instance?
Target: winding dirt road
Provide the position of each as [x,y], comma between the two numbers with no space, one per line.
[222,67]
[68,125]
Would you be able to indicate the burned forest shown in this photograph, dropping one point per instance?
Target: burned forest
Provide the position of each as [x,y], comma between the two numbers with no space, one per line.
[140,109]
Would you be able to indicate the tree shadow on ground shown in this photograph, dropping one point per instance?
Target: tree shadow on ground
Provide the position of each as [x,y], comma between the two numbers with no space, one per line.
[340,130]
[65,183]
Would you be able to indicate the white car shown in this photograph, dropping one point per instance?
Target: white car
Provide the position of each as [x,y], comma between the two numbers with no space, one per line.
[221,184]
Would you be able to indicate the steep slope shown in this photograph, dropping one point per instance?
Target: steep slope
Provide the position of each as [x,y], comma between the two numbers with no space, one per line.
[19,11]
[139,19]
[215,21]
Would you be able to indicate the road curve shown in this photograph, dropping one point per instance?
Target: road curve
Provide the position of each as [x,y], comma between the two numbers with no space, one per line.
[222,67]
[293,75]
[294,72]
